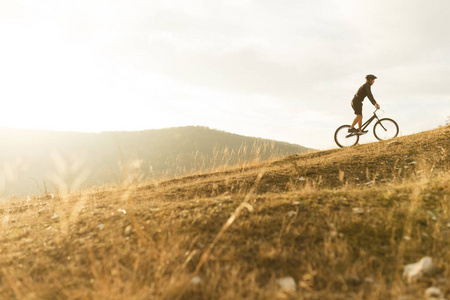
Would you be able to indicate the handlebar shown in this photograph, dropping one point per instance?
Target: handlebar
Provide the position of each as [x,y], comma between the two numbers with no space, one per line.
[378,110]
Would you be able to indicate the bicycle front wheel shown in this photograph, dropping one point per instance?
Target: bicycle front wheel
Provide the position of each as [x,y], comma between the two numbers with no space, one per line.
[385,129]
[345,139]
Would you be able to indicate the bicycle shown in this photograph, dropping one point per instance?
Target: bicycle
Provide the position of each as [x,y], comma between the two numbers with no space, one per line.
[384,129]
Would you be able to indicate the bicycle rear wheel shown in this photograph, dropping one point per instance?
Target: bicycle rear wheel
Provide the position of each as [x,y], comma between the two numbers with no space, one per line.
[385,129]
[345,139]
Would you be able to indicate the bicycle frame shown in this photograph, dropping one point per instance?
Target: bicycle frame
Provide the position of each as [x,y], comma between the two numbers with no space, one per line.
[367,123]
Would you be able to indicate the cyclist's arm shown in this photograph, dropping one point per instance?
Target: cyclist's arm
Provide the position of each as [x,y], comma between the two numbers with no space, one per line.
[369,95]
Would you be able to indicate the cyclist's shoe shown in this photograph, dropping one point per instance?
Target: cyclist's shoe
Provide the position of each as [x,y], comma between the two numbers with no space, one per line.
[352,130]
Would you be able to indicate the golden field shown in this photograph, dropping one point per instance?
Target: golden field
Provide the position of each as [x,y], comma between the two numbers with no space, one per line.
[340,224]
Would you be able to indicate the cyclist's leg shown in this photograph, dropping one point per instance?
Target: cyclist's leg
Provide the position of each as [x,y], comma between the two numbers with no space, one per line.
[357,108]
[360,130]
[358,119]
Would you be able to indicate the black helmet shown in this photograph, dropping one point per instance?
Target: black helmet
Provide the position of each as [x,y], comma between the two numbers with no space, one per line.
[370,76]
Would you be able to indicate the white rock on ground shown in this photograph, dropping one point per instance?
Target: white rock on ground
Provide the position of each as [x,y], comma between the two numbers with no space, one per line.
[291,214]
[287,284]
[433,293]
[196,280]
[414,271]
[358,210]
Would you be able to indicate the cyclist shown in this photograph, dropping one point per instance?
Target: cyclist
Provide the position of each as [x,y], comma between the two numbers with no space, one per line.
[362,92]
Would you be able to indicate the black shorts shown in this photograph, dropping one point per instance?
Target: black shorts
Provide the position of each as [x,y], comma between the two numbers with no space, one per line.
[357,107]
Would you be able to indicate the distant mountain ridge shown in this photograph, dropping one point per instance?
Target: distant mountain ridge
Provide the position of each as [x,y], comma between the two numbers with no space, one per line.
[37,161]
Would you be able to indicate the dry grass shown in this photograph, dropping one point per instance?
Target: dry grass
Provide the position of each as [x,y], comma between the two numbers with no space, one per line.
[342,223]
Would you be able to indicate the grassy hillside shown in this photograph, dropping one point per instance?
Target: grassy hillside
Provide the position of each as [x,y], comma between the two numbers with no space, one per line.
[35,161]
[340,224]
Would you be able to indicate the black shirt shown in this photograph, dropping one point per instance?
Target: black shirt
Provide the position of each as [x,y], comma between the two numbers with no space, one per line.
[364,91]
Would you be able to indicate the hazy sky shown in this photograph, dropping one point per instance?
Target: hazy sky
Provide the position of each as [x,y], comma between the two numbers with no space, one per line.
[278,69]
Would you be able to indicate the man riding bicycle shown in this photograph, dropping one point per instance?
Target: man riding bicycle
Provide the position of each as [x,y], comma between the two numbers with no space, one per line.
[362,92]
